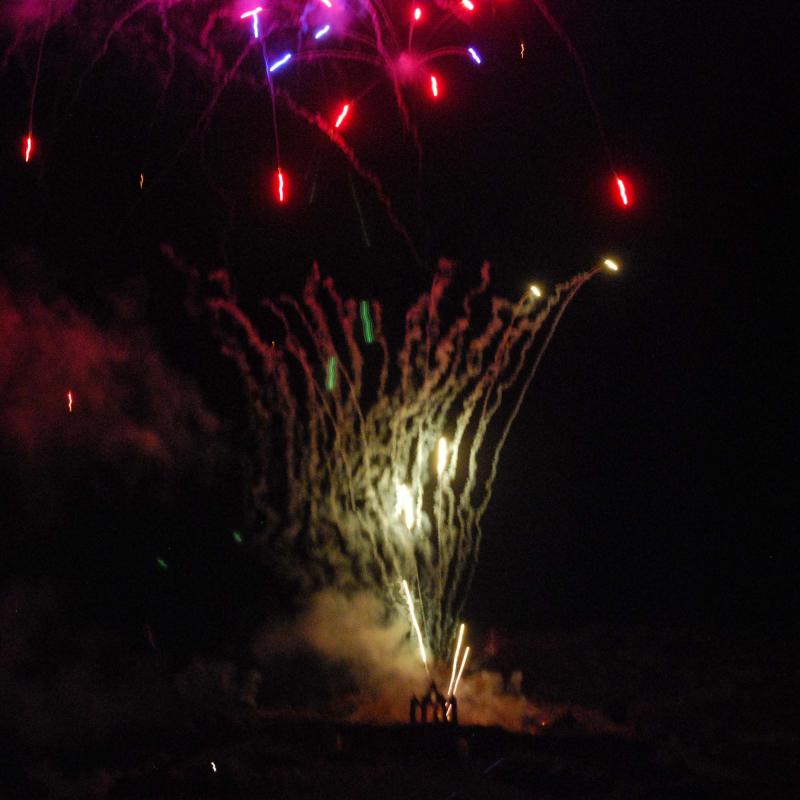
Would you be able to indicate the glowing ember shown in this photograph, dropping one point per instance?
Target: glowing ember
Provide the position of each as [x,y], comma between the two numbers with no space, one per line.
[342,114]
[280,185]
[623,192]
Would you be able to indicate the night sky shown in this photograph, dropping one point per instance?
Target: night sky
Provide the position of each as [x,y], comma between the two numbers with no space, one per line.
[652,473]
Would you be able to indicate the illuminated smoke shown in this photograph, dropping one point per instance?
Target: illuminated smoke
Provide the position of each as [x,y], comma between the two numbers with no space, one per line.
[347,469]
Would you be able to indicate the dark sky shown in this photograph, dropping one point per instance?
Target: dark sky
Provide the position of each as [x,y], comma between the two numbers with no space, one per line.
[652,472]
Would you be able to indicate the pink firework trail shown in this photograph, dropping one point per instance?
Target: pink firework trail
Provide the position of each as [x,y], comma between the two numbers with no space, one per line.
[387,42]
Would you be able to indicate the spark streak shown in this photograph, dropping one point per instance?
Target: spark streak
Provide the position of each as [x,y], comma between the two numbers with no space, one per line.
[322,32]
[455,660]
[474,54]
[463,664]
[342,114]
[281,185]
[69,401]
[410,601]
[623,191]
[434,86]
[282,61]
[366,322]
[330,379]
[362,461]
[254,12]
[28,151]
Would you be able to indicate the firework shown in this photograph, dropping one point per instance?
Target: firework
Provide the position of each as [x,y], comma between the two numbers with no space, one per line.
[373,475]
[410,600]
[461,670]
[622,190]
[455,660]
[288,36]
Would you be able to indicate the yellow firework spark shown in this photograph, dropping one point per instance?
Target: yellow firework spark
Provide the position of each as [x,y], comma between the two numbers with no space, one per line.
[410,601]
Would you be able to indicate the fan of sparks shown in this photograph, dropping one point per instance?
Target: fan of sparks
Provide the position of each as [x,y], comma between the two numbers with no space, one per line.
[373,470]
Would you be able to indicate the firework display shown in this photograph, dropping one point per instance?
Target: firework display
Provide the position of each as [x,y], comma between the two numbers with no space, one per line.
[375,468]
[319,60]
[376,463]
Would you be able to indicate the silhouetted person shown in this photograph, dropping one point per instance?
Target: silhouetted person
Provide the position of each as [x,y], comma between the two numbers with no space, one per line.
[415,713]
[434,700]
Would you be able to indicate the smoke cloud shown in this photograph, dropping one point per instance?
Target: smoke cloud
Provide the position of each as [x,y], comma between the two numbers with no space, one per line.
[367,667]
[29,13]
[124,399]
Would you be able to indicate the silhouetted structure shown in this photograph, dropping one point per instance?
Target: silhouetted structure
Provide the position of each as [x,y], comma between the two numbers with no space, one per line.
[433,708]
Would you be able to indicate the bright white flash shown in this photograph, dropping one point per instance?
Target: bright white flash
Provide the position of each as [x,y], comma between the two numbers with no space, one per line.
[441,456]
[405,505]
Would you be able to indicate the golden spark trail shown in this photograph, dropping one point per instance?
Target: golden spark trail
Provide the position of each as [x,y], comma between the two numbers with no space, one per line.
[410,601]
[455,660]
[461,670]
